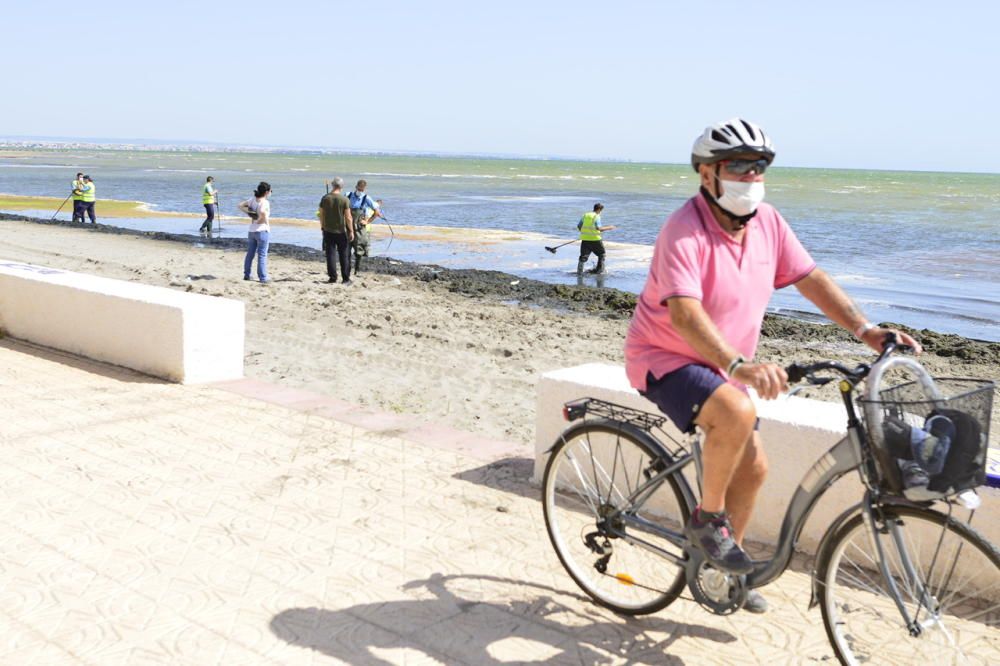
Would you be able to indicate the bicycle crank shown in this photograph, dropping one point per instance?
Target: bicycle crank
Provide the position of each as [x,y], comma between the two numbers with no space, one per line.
[716,591]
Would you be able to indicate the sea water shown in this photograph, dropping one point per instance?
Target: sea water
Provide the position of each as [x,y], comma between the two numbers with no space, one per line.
[918,248]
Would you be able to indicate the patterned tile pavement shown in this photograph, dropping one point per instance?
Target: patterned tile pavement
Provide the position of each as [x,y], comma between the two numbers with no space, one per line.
[151,523]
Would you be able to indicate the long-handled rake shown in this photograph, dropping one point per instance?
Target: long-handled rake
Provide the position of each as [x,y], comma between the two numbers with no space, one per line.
[553,249]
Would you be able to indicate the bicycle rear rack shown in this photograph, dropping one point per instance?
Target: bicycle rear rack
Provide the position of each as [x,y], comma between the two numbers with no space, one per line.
[595,407]
[577,409]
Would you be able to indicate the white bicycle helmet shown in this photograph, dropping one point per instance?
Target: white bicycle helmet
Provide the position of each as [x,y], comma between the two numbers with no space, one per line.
[730,137]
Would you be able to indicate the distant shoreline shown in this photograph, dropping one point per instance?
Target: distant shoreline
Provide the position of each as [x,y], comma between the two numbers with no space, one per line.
[152,146]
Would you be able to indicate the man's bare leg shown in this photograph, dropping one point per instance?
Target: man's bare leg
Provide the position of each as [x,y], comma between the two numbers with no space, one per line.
[744,485]
[728,418]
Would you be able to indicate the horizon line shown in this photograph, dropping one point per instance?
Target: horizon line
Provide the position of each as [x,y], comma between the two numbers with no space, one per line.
[150,145]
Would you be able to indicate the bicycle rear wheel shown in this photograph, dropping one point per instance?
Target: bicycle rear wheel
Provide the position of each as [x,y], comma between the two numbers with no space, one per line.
[947,575]
[589,475]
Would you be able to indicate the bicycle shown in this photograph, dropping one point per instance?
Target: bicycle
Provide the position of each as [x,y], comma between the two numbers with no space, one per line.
[898,580]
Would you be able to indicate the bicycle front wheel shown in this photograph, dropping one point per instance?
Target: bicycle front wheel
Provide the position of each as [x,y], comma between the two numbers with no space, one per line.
[590,476]
[948,579]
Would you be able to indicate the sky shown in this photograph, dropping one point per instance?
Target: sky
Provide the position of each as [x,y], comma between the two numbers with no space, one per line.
[873,85]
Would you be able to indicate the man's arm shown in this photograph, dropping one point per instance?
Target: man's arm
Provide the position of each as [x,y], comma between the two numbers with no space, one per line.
[698,330]
[827,295]
[690,320]
[350,222]
[602,229]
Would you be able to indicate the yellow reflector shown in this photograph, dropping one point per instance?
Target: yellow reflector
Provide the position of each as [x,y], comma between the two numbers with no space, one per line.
[625,579]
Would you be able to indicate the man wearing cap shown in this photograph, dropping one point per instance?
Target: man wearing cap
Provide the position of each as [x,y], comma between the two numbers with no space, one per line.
[78,198]
[691,343]
[89,197]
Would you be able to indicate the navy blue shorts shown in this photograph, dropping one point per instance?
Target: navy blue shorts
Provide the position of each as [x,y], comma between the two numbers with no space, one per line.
[681,393]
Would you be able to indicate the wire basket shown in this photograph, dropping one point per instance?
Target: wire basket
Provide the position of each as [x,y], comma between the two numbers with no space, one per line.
[928,447]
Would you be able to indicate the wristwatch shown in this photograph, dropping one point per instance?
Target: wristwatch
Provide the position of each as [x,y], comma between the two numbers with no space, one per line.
[860,331]
[735,364]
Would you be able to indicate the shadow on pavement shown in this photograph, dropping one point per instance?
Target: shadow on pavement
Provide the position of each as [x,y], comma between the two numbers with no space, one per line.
[99,368]
[528,623]
[512,475]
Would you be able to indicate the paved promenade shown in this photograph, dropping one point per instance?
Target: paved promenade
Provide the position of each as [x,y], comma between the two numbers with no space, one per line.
[152,523]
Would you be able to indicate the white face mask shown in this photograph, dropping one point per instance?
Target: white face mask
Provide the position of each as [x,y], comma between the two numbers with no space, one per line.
[740,198]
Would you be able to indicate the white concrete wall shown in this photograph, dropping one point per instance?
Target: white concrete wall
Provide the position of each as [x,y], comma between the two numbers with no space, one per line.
[796,432]
[188,338]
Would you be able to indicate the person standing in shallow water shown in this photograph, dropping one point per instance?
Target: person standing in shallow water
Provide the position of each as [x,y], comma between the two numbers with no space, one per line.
[89,199]
[362,207]
[78,198]
[209,199]
[258,208]
[590,239]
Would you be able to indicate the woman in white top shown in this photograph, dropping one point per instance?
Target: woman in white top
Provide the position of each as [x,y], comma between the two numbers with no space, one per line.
[259,210]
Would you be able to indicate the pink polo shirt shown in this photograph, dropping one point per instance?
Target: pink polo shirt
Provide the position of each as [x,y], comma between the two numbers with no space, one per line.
[734,281]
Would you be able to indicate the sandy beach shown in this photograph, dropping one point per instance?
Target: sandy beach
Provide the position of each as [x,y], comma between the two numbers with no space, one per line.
[464,348]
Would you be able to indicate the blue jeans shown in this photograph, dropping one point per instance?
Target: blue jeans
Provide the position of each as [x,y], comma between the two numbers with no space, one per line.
[257,244]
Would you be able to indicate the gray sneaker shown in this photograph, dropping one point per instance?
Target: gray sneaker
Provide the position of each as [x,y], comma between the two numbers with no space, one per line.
[715,540]
[755,602]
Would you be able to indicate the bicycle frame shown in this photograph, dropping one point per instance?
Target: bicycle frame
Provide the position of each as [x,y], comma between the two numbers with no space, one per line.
[840,459]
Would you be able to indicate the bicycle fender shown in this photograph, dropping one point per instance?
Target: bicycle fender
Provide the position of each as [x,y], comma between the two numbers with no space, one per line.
[638,433]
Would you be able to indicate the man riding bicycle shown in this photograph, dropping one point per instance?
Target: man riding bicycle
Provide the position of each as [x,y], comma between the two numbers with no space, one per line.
[692,340]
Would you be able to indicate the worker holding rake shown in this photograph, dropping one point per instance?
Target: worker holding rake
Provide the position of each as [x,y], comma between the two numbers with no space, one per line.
[590,240]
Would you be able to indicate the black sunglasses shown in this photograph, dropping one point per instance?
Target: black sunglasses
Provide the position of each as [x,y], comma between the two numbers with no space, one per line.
[743,167]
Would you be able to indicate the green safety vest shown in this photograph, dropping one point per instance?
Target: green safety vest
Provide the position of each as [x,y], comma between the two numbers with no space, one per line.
[207,196]
[77,184]
[588,228]
[90,195]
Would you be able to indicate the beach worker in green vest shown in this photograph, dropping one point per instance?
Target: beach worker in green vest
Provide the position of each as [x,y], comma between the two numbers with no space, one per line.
[590,239]
[89,194]
[78,198]
[209,199]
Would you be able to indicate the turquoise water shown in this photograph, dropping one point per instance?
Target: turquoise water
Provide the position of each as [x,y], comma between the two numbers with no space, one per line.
[912,247]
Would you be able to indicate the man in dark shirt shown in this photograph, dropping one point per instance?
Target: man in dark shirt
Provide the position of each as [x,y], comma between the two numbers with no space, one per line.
[338,231]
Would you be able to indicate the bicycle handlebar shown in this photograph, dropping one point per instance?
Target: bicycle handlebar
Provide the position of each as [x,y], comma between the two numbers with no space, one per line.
[797,371]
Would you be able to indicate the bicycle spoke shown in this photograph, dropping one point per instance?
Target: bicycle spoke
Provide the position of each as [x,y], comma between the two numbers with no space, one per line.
[583,481]
[607,479]
[985,611]
[947,577]
[588,481]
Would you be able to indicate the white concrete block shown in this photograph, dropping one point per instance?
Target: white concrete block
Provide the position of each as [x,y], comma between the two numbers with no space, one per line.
[187,338]
[796,432]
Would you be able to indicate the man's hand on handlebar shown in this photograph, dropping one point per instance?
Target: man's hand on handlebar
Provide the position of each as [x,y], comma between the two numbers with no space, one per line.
[767,379]
[875,338]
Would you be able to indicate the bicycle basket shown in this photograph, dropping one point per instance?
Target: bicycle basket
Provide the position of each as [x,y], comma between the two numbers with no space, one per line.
[927,448]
